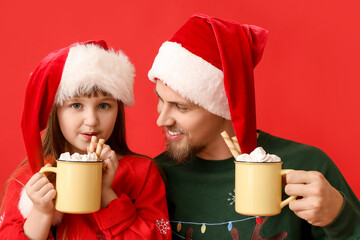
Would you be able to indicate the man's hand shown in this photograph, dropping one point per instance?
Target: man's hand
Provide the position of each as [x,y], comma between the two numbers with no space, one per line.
[318,203]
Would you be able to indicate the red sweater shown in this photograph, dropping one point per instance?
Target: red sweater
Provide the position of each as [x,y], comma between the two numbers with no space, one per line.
[139,212]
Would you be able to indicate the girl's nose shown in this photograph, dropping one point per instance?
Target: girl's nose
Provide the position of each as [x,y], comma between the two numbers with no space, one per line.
[90,117]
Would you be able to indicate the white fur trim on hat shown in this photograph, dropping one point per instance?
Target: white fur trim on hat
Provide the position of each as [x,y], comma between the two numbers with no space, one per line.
[192,77]
[25,204]
[89,66]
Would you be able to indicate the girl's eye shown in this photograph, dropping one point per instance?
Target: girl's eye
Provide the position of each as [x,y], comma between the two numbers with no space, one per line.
[76,105]
[104,106]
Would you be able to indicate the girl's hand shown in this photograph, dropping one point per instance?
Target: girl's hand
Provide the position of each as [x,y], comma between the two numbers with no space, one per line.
[41,192]
[110,167]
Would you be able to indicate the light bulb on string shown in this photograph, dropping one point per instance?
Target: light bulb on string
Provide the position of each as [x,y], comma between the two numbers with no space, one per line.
[203,228]
[230,226]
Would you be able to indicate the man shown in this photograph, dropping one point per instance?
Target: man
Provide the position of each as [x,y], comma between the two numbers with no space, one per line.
[204,82]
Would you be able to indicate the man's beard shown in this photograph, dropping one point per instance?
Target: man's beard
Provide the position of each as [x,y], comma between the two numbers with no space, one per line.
[182,152]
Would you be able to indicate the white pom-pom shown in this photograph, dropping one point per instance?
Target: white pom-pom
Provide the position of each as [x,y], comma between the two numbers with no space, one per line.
[25,204]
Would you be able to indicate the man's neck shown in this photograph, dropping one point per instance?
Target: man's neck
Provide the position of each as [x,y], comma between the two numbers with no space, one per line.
[217,151]
[219,155]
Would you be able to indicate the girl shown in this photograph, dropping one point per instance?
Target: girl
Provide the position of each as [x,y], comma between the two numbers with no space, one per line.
[80,91]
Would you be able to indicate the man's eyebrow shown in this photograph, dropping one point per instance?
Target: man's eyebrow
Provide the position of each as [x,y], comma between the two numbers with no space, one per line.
[189,104]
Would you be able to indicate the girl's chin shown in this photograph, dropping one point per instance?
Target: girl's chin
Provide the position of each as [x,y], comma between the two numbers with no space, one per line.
[79,151]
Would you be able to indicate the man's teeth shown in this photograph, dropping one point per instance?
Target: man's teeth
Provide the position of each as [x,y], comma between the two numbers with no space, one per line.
[173,133]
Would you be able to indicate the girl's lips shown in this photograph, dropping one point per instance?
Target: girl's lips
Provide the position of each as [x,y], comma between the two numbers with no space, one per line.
[88,136]
[173,137]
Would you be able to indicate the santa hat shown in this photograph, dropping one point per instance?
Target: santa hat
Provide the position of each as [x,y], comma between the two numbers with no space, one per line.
[210,61]
[68,72]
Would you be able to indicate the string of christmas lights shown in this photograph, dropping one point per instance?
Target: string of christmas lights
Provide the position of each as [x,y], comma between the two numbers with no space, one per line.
[203,225]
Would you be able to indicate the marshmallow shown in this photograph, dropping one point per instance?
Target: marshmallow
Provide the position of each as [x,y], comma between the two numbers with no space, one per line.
[76,157]
[258,155]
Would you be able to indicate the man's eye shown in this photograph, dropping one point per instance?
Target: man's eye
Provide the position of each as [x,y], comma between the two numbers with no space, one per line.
[104,106]
[76,105]
[181,108]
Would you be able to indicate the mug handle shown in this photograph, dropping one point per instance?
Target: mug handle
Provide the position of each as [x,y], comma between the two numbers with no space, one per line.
[48,169]
[289,199]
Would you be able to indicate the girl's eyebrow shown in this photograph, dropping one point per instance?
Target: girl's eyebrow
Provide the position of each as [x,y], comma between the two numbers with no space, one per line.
[108,99]
[74,99]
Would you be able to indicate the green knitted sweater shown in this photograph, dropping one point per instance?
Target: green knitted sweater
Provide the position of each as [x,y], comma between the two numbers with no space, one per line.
[201,198]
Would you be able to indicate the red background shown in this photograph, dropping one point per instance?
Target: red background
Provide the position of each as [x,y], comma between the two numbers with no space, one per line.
[306,84]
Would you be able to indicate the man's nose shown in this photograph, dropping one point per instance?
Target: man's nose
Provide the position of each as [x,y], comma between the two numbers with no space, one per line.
[165,118]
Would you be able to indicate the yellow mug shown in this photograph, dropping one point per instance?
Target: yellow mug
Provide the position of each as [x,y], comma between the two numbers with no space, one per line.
[78,185]
[258,188]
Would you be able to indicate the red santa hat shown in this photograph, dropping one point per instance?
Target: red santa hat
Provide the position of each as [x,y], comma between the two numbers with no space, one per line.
[68,72]
[210,61]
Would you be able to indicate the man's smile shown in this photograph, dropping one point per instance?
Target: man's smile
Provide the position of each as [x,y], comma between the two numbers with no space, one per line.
[173,136]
